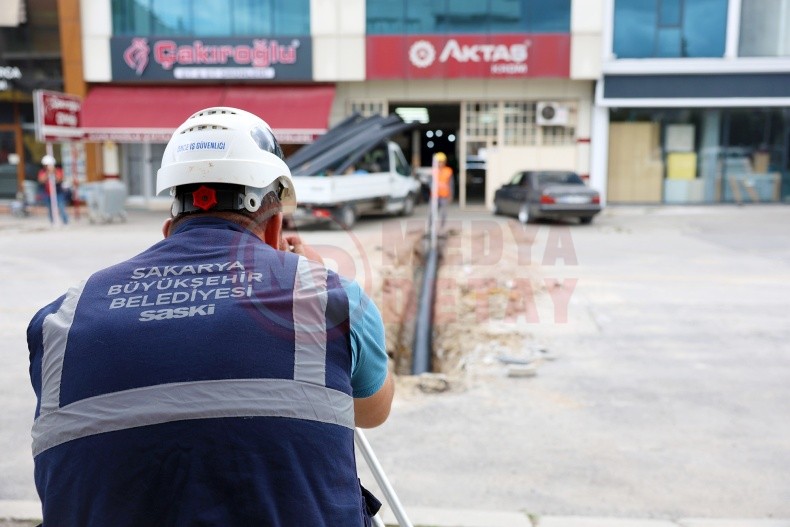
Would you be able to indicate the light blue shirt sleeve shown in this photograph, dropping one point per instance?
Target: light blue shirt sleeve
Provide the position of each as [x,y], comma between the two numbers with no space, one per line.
[368,345]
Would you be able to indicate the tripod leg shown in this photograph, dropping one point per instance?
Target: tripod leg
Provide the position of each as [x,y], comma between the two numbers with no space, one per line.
[381,479]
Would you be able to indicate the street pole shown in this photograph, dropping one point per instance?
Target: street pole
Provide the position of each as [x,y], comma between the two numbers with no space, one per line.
[52,184]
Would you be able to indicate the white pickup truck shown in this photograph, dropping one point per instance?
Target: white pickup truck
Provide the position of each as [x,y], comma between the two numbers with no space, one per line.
[351,171]
[381,182]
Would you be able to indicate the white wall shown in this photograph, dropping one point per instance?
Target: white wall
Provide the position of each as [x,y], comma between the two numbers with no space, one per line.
[504,161]
[13,13]
[338,31]
[464,89]
[586,33]
[96,18]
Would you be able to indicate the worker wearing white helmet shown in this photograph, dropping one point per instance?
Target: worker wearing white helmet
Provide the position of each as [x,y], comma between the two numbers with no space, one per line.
[224,146]
[217,377]
[50,179]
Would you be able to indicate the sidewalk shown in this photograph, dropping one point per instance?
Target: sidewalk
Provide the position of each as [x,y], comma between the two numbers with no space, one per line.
[26,513]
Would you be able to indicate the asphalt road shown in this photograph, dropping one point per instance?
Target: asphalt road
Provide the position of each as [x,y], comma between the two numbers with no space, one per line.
[670,395]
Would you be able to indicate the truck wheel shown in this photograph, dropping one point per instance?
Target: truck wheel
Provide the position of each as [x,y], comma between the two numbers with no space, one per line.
[408,205]
[345,217]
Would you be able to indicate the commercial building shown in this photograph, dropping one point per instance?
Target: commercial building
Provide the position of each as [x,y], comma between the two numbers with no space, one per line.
[30,59]
[507,81]
[694,101]
[656,101]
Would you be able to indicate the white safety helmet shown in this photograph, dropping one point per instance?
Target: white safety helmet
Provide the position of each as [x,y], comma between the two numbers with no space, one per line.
[227,146]
[48,161]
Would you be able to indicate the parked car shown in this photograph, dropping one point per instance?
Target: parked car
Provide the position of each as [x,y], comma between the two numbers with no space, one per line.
[532,195]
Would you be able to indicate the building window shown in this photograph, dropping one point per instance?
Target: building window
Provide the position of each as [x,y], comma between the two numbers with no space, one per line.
[765,28]
[670,28]
[394,17]
[366,108]
[520,126]
[211,18]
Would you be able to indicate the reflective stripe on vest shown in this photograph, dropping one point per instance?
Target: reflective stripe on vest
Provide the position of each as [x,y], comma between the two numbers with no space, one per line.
[304,397]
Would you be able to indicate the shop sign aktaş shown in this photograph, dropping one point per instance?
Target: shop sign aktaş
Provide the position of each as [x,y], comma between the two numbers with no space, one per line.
[468,56]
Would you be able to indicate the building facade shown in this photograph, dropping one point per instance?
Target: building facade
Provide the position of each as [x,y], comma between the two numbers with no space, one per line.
[693,104]
[30,59]
[655,101]
[506,82]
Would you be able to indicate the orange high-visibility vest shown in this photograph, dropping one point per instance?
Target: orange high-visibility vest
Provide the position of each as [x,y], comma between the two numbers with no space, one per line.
[444,187]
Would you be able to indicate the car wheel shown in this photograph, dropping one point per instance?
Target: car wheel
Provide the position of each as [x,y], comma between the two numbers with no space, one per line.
[523,214]
[408,205]
[345,217]
[586,220]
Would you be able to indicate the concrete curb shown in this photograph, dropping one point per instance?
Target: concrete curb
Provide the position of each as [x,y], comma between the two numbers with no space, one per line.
[577,521]
[743,522]
[30,511]
[428,517]
[20,510]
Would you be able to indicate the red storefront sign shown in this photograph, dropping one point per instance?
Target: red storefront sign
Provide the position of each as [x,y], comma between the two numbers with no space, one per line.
[468,56]
[57,116]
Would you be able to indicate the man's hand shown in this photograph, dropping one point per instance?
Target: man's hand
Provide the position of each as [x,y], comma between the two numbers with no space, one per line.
[292,243]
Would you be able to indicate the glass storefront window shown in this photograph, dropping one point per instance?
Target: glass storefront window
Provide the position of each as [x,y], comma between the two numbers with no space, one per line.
[765,28]
[169,18]
[389,17]
[696,155]
[669,28]
[211,18]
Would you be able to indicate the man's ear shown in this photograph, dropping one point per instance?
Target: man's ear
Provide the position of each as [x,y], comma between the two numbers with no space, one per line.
[166,227]
[273,232]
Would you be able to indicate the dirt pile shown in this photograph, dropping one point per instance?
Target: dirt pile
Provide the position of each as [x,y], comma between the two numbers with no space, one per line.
[486,304]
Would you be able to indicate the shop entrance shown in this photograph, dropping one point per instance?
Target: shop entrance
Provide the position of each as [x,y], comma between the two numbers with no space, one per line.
[436,131]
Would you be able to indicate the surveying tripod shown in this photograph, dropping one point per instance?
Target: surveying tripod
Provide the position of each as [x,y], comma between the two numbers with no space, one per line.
[382,481]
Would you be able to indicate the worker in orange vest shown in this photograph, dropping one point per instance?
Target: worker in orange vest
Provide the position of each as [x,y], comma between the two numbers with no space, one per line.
[50,178]
[444,185]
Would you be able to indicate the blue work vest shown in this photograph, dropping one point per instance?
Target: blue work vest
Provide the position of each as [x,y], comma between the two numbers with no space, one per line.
[204,382]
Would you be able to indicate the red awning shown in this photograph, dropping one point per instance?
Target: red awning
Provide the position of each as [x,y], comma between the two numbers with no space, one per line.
[132,114]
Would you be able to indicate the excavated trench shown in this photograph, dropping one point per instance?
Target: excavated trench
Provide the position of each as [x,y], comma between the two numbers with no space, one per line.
[482,308]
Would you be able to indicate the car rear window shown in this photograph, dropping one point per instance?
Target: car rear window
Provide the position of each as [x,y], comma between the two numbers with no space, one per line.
[559,178]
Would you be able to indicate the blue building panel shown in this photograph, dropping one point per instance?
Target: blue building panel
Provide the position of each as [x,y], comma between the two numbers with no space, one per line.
[420,17]
[669,28]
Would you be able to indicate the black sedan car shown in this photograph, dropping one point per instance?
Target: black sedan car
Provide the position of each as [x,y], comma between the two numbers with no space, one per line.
[532,195]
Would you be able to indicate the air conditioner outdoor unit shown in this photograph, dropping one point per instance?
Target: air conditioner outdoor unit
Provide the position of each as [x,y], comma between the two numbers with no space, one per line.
[551,114]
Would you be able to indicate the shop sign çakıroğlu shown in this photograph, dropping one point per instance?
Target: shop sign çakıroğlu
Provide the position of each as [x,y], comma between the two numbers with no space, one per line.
[182,59]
